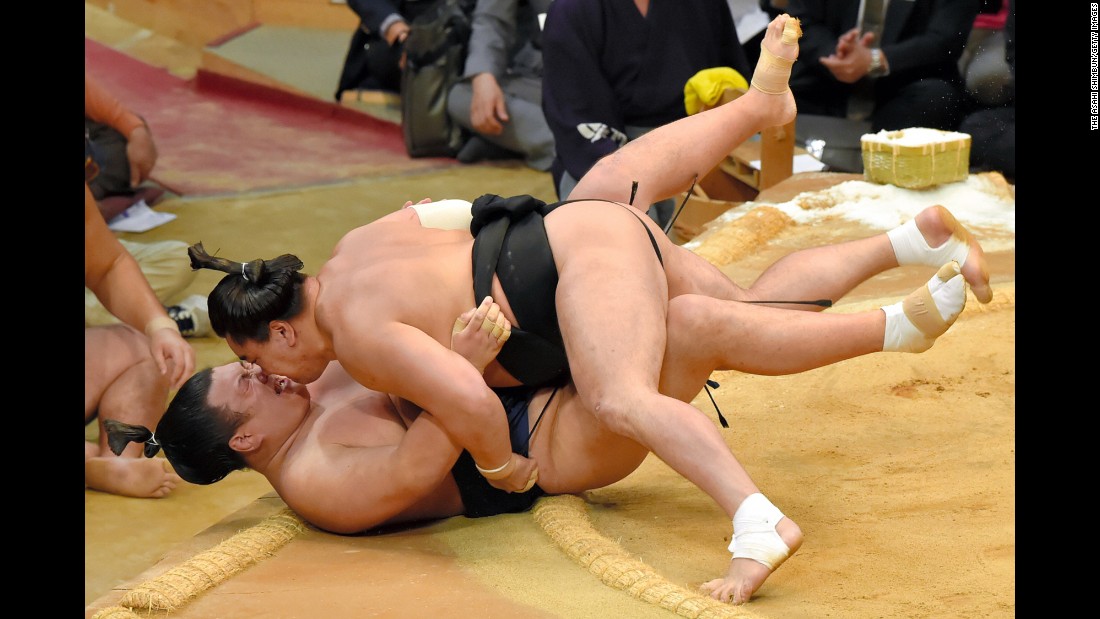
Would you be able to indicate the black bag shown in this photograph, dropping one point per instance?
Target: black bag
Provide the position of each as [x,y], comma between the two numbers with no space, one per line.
[435,56]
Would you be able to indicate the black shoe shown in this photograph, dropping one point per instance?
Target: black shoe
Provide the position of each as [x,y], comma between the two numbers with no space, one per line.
[478,149]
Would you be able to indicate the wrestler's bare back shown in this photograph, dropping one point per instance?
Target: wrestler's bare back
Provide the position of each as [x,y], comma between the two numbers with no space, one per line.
[395,270]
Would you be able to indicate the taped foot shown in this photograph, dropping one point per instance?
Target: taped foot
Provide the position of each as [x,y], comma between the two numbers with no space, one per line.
[914,324]
[773,67]
[911,247]
[754,534]
[763,535]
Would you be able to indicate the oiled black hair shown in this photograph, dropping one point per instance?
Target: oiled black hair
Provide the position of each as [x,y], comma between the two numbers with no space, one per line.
[193,434]
[252,294]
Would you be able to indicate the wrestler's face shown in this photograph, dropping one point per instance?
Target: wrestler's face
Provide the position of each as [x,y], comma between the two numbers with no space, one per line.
[275,356]
[243,388]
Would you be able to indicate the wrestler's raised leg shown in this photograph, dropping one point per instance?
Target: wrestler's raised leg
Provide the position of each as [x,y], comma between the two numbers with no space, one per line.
[933,238]
[827,272]
[121,381]
[707,334]
[693,146]
[665,160]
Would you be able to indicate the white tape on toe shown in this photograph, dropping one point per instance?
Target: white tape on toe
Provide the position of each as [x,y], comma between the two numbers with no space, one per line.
[754,534]
[911,248]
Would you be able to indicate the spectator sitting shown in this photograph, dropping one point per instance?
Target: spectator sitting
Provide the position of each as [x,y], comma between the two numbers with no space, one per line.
[615,69]
[499,98]
[119,152]
[128,368]
[993,129]
[376,56]
[896,66]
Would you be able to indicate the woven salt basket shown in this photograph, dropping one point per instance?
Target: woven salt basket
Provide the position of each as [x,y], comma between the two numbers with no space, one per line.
[916,158]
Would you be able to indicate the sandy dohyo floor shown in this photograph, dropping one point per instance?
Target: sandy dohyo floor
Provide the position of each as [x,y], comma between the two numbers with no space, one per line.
[900,469]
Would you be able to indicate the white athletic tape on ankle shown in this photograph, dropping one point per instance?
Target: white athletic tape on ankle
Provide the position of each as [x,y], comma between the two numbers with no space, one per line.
[901,335]
[754,534]
[911,248]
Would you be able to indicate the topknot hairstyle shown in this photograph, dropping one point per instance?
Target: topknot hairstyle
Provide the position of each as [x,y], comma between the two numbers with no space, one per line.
[252,294]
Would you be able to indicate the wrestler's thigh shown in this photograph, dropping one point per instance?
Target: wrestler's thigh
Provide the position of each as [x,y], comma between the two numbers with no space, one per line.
[108,352]
[611,298]
[576,452]
[689,273]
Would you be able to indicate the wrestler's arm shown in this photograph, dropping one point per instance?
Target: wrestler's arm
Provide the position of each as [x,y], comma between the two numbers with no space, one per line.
[479,344]
[420,370]
[347,488]
[115,278]
[111,272]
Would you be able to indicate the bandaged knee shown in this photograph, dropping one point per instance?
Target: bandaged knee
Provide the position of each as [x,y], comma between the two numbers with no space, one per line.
[754,534]
[910,247]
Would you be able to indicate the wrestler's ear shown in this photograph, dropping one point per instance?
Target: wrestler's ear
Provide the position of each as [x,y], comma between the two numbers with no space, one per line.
[244,442]
[282,329]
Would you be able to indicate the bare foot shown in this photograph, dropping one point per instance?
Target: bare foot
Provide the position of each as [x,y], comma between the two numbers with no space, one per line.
[938,226]
[773,71]
[144,478]
[745,576]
